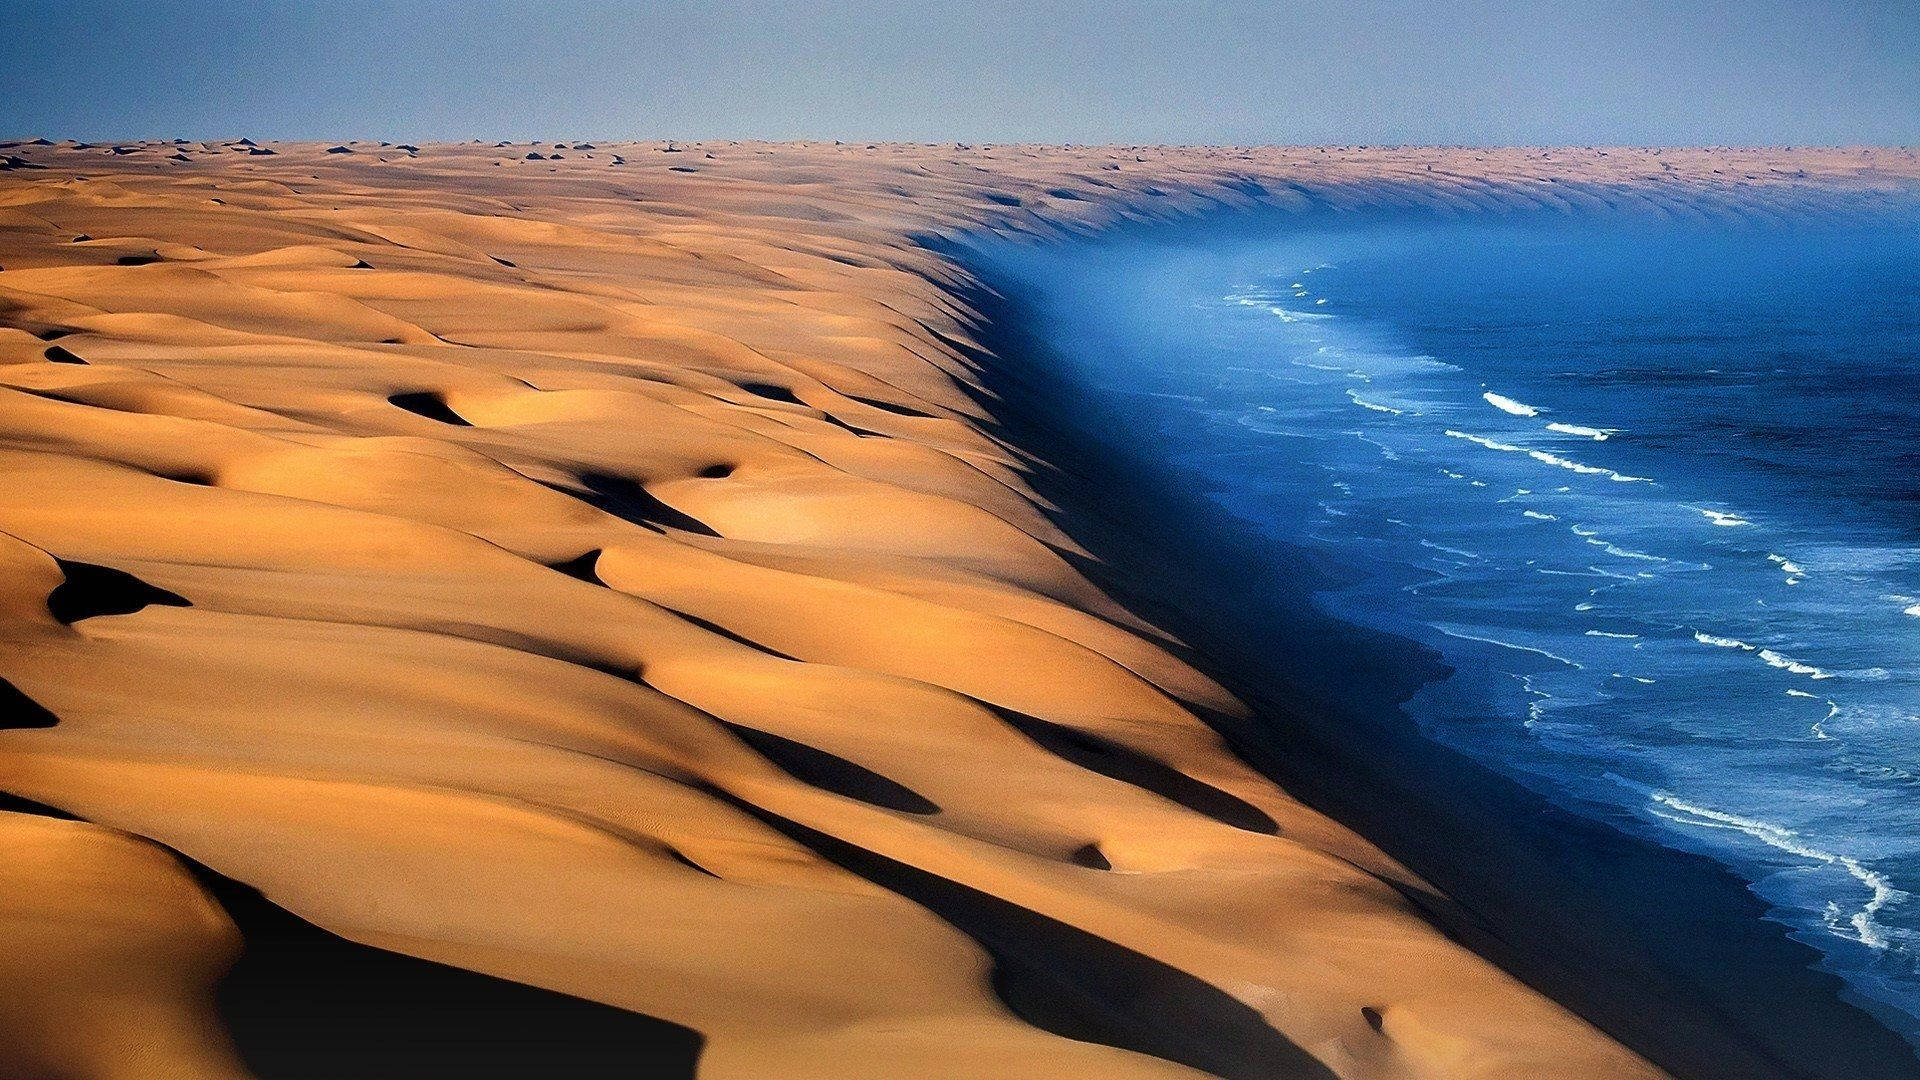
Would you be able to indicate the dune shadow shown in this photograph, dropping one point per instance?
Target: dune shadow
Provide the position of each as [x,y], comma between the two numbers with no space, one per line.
[859,433]
[302,1003]
[771,392]
[1078,985]
[581,567]
[15,804]
[1127,765]
[305,1003]
[632,502]
[17,710]
[831,772]
[1091,857]
[738,639]
[888,406]
[430,405]
[90,591]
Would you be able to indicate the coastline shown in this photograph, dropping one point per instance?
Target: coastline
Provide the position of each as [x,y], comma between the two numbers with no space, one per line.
[652,535]
[1669,952]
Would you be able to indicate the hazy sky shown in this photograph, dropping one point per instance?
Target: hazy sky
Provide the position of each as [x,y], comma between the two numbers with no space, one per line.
[1180,71]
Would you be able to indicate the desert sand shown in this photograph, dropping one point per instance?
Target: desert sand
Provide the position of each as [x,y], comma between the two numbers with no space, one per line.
[598,568]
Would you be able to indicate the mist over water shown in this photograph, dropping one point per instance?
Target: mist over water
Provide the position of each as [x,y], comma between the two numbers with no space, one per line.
[1652,489]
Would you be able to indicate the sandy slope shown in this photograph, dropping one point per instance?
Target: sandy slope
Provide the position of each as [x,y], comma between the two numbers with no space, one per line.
[594,571]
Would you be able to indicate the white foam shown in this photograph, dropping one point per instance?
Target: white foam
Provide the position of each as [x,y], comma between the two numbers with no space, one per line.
[1385,450]
[1605,634]
[1547,459]
[1788,663]
[1509,406]
[1788,567]
[1881,892]
[1596,434]
[1818,728]
[1625,553]
[1538,516]
[1719,517]
[1537,708]
[1772,658]
[1454,632]
[1354,397]
[1450,550]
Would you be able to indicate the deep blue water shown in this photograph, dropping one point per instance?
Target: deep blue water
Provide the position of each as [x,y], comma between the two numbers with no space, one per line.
[1653,490]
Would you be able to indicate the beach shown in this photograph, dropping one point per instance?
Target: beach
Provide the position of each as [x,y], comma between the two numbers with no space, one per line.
[640,606]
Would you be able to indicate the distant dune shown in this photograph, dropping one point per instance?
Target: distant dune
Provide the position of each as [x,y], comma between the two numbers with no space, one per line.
[572,607]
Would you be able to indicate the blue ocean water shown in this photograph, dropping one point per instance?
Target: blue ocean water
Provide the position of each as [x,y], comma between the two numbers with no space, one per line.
[1652,489]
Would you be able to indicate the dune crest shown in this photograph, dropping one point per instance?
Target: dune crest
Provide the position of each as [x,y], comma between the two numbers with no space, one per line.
[598,570]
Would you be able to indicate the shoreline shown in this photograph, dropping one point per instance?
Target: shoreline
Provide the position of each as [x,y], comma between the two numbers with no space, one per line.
[1669,952]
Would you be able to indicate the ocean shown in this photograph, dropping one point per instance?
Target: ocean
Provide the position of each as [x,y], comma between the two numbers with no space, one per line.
[1650,488]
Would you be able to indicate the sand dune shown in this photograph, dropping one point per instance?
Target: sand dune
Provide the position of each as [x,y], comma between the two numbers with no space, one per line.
[596,569]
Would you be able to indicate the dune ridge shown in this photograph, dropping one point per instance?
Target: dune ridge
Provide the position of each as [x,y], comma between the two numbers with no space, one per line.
[595,567]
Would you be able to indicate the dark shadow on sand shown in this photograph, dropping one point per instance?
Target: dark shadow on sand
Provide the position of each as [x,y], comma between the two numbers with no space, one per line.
[306,1004]
[1067,981]
[91,591]
[831,772]
[631,501]
[430,405]
[17,710]
[1114,761]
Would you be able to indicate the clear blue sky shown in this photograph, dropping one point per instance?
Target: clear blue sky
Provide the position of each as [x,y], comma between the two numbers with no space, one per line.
[1230,71]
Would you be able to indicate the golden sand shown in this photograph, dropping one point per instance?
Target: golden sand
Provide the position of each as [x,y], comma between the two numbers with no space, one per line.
[595,571]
